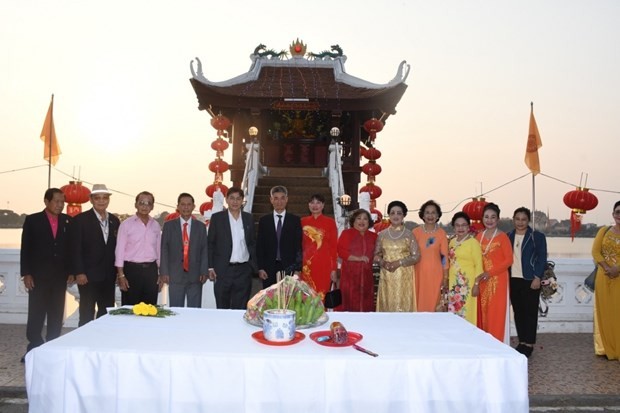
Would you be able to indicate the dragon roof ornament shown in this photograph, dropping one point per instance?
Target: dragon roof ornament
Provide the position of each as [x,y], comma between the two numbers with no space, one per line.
[299,58]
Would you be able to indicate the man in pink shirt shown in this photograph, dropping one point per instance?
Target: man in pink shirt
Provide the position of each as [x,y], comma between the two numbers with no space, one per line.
[137,254]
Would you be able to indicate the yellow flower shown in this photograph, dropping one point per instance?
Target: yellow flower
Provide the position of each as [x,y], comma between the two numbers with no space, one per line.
[152,310]
[140,309]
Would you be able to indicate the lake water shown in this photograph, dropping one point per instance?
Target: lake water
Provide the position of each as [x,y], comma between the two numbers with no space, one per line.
[557,247]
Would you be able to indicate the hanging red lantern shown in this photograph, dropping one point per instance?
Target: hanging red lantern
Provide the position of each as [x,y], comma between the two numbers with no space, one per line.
[372,154]
[172,216]
[580,201]
[206,206]
[218,166]
[474,208]
[371,168]
[219,145]
[373,126]
[75,195]
[220,122]
[214,187]
[373,190]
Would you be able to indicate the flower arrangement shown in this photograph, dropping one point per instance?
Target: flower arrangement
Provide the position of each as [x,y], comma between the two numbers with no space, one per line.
[143,309]
[289,293]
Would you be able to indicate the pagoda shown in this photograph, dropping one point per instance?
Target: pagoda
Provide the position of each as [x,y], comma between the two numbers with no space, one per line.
[295,98]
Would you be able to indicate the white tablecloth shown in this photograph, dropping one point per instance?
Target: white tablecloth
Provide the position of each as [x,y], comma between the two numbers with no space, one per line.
[206,361]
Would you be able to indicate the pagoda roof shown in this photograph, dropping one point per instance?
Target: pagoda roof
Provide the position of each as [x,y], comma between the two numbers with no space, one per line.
[312,81]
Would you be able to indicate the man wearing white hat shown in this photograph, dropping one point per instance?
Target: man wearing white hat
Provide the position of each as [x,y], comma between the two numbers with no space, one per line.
[94,242]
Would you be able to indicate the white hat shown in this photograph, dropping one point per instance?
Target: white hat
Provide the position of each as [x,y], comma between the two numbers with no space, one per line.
[100,189]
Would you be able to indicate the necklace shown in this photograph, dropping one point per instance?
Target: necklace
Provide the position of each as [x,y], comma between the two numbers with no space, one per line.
[431,231]
[458,243]
[399,231]
[486,250]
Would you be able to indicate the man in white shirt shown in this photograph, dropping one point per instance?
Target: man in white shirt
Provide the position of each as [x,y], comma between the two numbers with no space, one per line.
[231,253]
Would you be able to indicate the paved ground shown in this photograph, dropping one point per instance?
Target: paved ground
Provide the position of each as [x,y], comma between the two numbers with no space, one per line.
[564,374]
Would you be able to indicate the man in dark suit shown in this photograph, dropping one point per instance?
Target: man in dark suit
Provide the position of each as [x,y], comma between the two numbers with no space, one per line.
[184,258]
[44,267]
[93,243]
[278,244]
[231,253]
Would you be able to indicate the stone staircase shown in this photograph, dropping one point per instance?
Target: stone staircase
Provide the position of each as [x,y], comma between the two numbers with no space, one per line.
[301,184]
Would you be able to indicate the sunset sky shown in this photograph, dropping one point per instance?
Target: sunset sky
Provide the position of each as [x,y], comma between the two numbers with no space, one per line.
[126,114]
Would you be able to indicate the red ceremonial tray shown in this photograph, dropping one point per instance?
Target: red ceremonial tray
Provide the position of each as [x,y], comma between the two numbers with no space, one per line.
[352,338]
[258,336]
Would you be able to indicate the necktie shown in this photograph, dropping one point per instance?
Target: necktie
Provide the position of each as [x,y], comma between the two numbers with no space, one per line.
[185,248]
[278,234]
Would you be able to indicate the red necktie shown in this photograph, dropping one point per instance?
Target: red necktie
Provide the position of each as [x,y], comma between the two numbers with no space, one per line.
[185,248]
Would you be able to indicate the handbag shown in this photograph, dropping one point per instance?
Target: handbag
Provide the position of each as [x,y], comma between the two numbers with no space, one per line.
[333,298]
[589,281]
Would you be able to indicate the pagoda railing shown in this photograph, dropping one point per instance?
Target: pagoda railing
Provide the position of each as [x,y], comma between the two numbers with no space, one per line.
[253,171]
[336,183]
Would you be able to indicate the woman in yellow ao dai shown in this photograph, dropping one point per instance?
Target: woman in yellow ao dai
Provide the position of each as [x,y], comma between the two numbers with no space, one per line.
[465,257]
[396,252]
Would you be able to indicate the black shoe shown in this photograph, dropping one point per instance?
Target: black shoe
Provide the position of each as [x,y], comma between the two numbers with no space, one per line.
[23,359]
[527,351]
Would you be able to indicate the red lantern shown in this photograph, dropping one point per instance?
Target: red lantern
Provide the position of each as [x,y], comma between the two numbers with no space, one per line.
[218,166]
[219,145]
[75,195]
[220,122]
[372,168]
[372,154]
[373,190]
[373,126]
[206,206]
[214,187]
[172,216]
[474,208]
[580,200]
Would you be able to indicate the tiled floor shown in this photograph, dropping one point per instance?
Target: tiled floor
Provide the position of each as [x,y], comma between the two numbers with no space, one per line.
[562,365]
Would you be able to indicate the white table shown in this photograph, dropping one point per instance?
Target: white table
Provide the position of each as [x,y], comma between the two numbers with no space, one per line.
[206,361]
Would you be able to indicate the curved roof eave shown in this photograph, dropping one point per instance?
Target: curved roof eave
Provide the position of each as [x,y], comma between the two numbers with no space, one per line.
[340,75]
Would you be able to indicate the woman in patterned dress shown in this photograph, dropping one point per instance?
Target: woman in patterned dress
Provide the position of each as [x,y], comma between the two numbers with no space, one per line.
[492,285]
[319,246]
[465,266]
[396,252]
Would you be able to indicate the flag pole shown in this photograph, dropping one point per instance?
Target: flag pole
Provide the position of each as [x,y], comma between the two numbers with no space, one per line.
[533,187]
[49,158]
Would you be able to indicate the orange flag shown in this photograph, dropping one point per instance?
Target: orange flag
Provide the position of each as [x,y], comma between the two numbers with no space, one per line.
[533,144]
[48,134]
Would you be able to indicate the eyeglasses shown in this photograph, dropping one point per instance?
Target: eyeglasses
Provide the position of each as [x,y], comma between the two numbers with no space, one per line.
[145,203]
[461,226]
[396,213]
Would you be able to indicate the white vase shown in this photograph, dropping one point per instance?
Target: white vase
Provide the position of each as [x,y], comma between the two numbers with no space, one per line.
[279,325]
